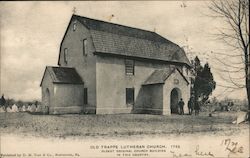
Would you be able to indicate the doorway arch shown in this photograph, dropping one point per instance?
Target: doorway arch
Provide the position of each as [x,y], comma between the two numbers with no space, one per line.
[175,96]
[47,97]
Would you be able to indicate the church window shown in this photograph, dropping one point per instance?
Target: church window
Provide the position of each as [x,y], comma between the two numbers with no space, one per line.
[85,95]
[129,67]
[130,96]
[65,55]
[84,46]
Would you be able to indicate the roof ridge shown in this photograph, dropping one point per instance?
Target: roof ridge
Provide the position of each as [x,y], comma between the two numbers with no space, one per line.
[115,24]
[126,26]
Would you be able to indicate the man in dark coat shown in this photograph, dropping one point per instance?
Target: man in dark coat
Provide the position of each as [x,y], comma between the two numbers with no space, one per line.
[181,105]
[196,108]
[191,105]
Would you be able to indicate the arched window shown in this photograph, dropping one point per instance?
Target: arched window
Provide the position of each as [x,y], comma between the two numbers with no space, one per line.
[84,47]
[65,55]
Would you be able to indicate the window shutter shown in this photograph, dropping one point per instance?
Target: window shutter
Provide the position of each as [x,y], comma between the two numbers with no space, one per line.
[84,46]
[85,93]
[65,55]
[130,96]
[129,67]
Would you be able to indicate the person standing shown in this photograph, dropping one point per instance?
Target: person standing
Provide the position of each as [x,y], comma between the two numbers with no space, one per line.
[190,106]
[221,107]
[181,105]
[196,108]
[2,100]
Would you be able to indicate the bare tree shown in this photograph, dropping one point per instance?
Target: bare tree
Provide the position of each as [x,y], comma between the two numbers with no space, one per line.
[235,15]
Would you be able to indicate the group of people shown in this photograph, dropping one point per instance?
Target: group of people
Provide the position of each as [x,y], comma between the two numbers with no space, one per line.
[192,106]
[25,108]
[226,107]
[33,108]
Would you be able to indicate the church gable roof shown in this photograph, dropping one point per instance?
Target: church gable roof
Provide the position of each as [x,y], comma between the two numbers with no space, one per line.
[63,75]
[110,38]
[122,30]
[161,75]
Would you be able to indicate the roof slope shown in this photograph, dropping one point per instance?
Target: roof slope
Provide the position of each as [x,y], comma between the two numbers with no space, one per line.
[103,26]
[160,76]
[117,39]
[64,75]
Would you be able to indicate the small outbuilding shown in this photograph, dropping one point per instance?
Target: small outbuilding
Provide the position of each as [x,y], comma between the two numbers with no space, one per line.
[62,90]
[162,91]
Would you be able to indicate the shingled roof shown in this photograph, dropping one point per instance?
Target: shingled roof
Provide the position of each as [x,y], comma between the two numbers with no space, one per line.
[113,28]
[117,39]
[160,76]
[65,75]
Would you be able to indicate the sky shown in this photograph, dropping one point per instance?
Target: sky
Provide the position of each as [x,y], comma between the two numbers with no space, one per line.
[31,32]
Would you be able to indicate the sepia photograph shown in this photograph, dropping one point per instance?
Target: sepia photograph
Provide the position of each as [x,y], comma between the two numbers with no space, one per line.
[108,79]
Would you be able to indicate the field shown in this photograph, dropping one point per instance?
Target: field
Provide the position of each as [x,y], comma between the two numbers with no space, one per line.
[123,125]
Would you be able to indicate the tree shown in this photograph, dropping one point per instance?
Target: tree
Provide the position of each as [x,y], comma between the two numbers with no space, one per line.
[204,83]
[2,101]
[197,65]
[235,14]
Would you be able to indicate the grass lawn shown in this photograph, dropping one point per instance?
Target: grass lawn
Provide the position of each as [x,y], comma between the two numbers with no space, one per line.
[121,125]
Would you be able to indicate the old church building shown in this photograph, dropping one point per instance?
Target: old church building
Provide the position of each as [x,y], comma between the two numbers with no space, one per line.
[106,68]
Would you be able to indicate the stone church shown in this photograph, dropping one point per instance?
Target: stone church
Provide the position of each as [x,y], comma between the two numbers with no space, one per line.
[107,68]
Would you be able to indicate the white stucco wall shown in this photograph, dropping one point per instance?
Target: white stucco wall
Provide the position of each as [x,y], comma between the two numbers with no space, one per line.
[68,98]
[85,65]
[152,99]
[47,84]
[111,82]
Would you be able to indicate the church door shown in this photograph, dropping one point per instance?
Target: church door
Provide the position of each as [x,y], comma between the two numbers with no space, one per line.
[174,99]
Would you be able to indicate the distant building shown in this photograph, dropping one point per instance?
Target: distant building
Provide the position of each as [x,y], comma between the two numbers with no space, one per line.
[106,68]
